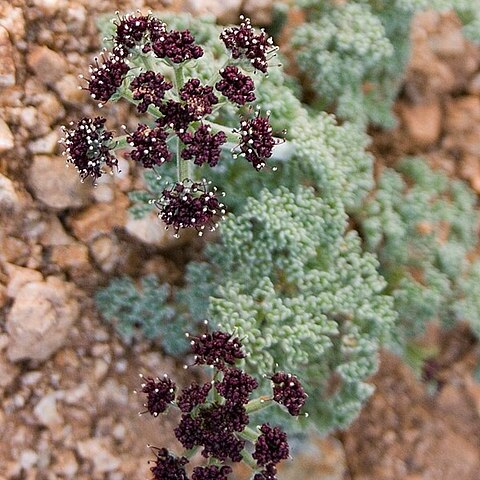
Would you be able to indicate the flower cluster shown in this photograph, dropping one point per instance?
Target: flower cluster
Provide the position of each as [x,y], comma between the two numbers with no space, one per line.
[190,205]
[88,147]
[244,43]
[184,111]
[216,415]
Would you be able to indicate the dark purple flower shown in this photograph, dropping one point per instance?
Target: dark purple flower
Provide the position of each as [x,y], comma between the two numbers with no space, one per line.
[236,86]
[288,391]
[271,446]
[236,386]
[156,30]
[222,446]
[223,418]
[193,396]
[160,393]
[149,87]
[212,472]
[243,42]
[190,205]
[199,98]
[216,349]
[203,146]
[88,146]
[168,467]
[268,473]
[150,146]
[189,432]
[130,30]
[257,141]
[105,79]
[177,46]
[175,116]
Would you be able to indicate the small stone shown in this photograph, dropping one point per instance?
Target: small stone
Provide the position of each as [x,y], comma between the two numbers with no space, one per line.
[28,458]
[97,450]
[56,185]
[50,109]
[225,11]
[6,137]
[474,85]
[151,231]
[48,66]
[9,199]
[40,319]
[13,21]
[65,464]
[448,44]
[68,87]
[47,144]
[46,412]
[100,219]
[7,65]
[71,257]
[105,252]
[19,277]
[8,373]
[423,123]
[100,369]
[49,7]
[259,11]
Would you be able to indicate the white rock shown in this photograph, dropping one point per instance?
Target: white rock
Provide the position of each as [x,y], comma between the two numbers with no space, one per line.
[96,450]
[19,277]
[46,144]
[9,199]
[28,458]
[226,11]
[7,65]
[40,319]
[57,185]
[46,411]
[6,137]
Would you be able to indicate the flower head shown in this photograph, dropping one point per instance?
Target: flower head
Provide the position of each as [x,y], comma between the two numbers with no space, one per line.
[149,87]
[160,393]
[175,115]
[150,146]
[288,391]
[190,205]
[188,432]
[168,467]
[216,349]
[236,386]
[88,147]
[193,396]
[203,146]
[177,46]
[243,42]
[130,30]
[217,418]
[198,98]
[236,86]
[257,140]
[271,446]
[106,78]
[212,472]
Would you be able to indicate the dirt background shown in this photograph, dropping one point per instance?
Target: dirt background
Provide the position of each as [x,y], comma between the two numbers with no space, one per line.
[66,381]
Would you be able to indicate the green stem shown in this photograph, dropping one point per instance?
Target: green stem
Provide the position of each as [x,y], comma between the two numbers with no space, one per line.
[258,404]
[190,453]
[249,460]
[249,434]
[119,142]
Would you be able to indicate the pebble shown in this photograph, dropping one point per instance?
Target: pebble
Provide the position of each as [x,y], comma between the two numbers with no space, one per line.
[7,65]
[19,277]
[46,411]
[55,185]
[40,319]
[47,144]
[226,11]
[48,65]
[66,464]
[98,452]
[6,137]
[423,123]
[9,199]
[28,458]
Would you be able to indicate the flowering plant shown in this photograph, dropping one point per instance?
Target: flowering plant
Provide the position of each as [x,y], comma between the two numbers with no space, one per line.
[215,416]
[146,66]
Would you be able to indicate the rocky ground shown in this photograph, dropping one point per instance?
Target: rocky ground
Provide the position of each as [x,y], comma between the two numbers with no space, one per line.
[66,404]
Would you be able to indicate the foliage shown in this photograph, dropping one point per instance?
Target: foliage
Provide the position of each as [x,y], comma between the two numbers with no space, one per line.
[303,296]
[355,53]
[144,311]
[423,227]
